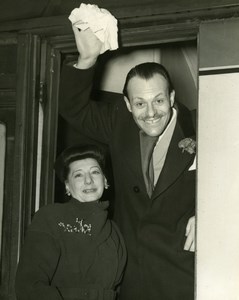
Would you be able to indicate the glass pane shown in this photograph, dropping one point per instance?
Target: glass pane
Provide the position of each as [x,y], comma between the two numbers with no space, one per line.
[2,164]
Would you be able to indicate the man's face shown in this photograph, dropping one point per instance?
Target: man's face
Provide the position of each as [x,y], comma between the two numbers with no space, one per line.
[150,103]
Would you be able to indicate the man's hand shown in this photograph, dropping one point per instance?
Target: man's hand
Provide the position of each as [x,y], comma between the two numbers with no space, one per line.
[88,46]
[190,234]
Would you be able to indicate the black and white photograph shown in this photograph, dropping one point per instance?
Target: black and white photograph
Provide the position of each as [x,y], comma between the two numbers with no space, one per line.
[119,150]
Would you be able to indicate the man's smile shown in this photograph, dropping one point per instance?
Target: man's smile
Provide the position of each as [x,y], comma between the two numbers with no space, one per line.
[152,121]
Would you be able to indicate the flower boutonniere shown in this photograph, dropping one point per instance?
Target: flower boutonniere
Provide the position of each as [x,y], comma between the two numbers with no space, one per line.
[188,145]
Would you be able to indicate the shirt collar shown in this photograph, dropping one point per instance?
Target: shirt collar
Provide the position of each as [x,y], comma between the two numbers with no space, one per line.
[170,125]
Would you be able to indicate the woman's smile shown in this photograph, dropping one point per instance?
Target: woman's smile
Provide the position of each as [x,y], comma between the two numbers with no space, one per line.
[87,191]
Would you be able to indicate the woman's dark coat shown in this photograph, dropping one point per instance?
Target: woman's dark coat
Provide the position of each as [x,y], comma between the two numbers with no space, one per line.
[72,251]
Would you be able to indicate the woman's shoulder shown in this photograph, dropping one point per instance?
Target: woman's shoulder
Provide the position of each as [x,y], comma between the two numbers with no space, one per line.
[51,209]
[46,217]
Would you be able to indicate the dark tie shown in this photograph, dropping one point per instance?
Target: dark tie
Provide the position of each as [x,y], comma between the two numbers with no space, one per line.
[147,144]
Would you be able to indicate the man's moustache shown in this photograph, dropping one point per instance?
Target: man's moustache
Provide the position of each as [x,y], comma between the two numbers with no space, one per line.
[151,118]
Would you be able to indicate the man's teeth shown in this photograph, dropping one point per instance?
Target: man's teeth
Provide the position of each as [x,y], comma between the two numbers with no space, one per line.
[152,121]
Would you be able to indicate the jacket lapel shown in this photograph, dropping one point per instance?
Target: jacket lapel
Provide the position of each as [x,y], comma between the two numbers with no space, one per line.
[175,163]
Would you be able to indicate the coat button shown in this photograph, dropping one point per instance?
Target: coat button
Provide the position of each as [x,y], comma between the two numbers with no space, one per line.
[136,189]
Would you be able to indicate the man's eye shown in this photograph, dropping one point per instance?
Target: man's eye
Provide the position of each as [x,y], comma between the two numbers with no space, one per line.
[160,101]
[139,104]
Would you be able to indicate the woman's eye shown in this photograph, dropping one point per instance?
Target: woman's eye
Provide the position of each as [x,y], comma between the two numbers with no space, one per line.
[78,175]
[95,172]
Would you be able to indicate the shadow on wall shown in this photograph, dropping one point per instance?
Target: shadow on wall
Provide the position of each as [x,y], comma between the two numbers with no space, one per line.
[115,65]
[182,63]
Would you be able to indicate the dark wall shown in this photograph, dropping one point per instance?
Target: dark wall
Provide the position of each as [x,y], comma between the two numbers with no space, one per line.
[27,9]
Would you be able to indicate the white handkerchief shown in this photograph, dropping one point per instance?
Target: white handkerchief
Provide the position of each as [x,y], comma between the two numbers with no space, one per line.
[193,166]
[100,21]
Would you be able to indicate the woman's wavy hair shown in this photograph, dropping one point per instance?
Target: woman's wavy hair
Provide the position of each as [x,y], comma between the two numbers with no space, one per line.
[78,152]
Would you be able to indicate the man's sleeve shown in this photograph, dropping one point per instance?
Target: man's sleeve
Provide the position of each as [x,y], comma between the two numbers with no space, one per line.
[94,119]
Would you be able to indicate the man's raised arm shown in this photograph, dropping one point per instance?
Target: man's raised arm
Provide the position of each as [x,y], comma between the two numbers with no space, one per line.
[94,119]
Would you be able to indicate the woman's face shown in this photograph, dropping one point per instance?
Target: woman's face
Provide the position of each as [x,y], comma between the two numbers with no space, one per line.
[86,180]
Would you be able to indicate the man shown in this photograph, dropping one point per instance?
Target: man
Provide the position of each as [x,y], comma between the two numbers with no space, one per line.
[155,192]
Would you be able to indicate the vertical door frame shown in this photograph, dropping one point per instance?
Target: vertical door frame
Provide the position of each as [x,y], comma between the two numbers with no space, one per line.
[22,207]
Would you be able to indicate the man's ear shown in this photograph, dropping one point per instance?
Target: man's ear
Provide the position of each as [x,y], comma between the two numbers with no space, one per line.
[127,103]
[172,97]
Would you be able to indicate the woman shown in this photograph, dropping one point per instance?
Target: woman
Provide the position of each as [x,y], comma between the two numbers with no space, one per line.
[71,250]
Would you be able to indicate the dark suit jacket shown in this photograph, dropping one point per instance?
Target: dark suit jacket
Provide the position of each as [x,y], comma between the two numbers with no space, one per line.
[153,229]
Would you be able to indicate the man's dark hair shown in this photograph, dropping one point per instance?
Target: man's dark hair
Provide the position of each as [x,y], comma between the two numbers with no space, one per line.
[146,71]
